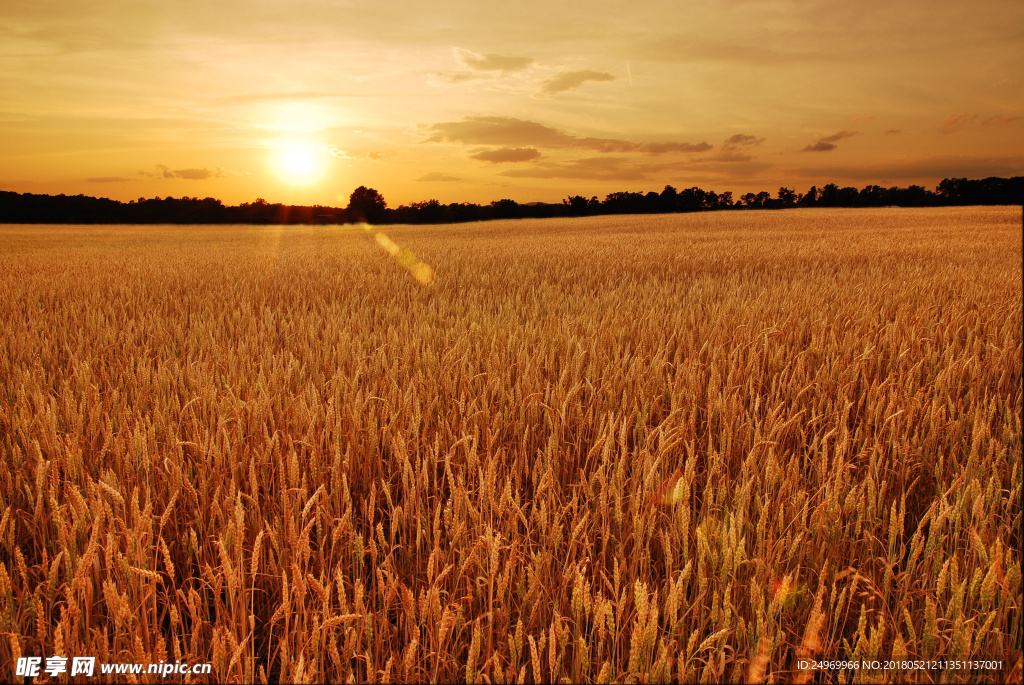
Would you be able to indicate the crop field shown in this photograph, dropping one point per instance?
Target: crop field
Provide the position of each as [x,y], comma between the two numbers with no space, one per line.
[696,447]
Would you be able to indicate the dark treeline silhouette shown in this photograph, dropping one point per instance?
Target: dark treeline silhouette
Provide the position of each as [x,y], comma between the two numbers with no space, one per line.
[366,204]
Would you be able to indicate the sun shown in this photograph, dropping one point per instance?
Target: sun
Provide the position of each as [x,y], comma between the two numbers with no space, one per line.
[298,163]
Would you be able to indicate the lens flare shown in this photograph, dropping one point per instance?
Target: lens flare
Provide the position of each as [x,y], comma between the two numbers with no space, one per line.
[420,270]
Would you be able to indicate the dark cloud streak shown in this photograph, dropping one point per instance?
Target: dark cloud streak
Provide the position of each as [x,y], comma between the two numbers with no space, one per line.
[571,80]
[829,142]
[512,132]
[507,154]
[163,171]
[741,140]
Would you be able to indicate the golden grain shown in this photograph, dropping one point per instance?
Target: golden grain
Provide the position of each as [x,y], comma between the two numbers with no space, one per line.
[487,454]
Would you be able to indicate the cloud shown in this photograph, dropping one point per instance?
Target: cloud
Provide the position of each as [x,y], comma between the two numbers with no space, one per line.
[571,80]
[271,97]
[839,136]
[488,130]
[376,155]
[935,166]
[459,77]
[507,154]
[492,62]
[511,132]
[891,131]
[592,168]
[820,146]
[437,176]
[1000,120]
[483,66]
[163,171]
[196,174]
[335,152]
[728,156]
[627,169]
[828,142]
[741,140]
[108,179]
[955,122]
[656,148]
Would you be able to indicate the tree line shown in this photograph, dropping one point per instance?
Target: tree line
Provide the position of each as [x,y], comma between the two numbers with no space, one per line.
[367,204]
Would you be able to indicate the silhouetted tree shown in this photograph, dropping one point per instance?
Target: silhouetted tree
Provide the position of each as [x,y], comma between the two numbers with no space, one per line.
[691,199]
[670,199]
[624,203]
[505,208]
[873,196]
[787,197]
[829,196]
[987,191]
[952,189]
[578,205]
[366,204]
[917,196]
[429,211]
[810,198]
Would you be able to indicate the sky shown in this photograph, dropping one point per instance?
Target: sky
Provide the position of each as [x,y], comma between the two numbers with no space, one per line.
[301,101]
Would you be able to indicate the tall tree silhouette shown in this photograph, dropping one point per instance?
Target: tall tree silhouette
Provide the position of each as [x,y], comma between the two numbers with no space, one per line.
[366,204]
[787,197]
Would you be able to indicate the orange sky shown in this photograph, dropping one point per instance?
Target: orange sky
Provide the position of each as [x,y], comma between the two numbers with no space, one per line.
[302,101]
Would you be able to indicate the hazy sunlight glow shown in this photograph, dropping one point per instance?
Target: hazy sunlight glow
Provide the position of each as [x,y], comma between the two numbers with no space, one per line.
[298,163]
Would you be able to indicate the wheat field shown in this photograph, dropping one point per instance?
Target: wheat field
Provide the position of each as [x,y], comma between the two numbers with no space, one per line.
[699,447]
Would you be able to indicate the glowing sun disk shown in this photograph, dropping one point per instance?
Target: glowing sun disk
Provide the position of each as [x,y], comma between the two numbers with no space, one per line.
[298,163]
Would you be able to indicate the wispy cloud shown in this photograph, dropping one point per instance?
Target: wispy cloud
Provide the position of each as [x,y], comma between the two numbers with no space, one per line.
[507,154]
[197,174]
[163,171]
[729,156]
[437,176]
[571,80]
[493,130]
[251,98]
[607,168]
[593,168]
[921,166]
[109,179]
[829,142]
[512,132]
[459,76]
[336,152]
[1001,120]
[955,122]
[741,140]
[491,61]
[483,66]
